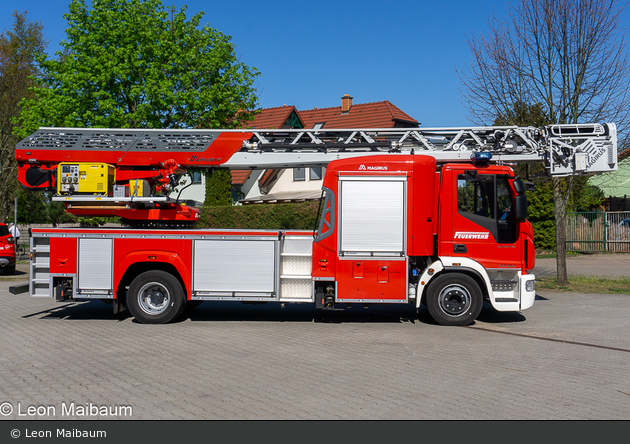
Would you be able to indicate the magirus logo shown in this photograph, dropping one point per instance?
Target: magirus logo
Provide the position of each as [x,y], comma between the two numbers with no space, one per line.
[372,168]
[194,158]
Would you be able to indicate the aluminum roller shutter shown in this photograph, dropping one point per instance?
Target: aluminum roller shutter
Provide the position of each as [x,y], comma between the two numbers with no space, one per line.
[372,215]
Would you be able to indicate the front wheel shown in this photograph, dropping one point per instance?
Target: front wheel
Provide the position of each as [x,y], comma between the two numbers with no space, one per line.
[454,299]
[155,297]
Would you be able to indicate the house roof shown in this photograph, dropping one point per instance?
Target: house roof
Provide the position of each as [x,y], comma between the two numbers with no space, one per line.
[361,115]
[272,118]
[382,114]
[267,118]
[239,177]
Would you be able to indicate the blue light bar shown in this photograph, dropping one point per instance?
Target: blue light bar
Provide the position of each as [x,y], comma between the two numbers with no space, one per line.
[481,158]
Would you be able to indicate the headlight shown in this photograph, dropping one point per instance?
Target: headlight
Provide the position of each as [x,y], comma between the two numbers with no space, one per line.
[530,285]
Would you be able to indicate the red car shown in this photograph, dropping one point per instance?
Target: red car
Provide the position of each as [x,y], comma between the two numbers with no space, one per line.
[7,250]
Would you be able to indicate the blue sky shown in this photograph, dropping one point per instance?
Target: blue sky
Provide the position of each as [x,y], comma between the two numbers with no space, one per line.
[311,53]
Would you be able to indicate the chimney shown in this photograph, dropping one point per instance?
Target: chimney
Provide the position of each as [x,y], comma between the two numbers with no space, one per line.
[346,103]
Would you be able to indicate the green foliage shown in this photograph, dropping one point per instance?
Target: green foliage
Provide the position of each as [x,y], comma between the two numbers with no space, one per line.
[540,214]
[18,49]
[97,221]
[31,207]
[289,216]
[56,213]
[135,64]
[218,188]
[584,196]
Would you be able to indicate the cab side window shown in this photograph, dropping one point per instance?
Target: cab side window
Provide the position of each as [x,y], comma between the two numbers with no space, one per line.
[476,195]
[486,199]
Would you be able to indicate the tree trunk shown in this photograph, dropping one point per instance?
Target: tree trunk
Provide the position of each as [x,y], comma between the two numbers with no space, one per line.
[561,195]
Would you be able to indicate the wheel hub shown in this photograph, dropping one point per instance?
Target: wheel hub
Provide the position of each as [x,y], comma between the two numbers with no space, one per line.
[153,298]
[454,300]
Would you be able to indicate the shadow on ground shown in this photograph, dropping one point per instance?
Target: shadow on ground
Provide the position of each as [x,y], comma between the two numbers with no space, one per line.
[270,312]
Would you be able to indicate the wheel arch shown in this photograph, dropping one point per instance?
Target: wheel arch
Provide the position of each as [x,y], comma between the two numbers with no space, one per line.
[137,268]
[465,266]
[473,274]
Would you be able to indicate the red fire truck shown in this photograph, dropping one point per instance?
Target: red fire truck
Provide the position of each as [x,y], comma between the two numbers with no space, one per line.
[408,216]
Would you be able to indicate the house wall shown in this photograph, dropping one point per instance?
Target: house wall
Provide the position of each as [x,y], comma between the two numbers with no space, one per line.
[250,187]
[285,182]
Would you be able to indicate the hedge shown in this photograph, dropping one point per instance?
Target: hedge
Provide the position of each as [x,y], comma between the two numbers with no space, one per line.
[289,216]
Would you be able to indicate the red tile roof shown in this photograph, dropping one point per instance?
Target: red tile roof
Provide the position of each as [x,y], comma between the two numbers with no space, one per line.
[240,176]
[267,177]
[272,118]
[361,115]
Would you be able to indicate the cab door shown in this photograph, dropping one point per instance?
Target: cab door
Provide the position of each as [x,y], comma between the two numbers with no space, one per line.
[484,227]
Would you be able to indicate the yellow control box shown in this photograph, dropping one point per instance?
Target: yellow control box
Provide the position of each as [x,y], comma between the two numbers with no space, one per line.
[139,188]
[85,178]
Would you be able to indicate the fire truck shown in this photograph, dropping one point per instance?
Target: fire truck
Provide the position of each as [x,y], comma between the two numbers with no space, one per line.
[432,216]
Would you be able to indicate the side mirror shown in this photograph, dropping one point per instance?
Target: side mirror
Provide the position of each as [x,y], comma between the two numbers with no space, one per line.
[519,186]
[520,207]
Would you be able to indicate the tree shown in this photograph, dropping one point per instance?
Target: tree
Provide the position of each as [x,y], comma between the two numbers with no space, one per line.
[56,213]
[135,64]
[31,207]
[18,49]
[568,55]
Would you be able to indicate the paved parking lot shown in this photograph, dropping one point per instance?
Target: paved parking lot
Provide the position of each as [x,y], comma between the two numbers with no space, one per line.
[568,357]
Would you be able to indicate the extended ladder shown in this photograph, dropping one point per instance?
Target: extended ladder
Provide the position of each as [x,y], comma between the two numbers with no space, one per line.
[94,170]
[564,149]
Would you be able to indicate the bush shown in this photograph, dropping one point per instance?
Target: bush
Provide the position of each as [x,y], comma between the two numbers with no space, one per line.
[289,216]
[92,222]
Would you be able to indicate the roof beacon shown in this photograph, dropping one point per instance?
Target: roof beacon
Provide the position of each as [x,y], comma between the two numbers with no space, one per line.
[481,158]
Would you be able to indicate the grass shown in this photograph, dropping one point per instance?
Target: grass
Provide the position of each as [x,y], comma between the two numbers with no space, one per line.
[552,254]
[581,283]
[586,284]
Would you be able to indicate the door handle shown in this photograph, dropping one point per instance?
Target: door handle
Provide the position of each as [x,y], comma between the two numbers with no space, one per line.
[460,248]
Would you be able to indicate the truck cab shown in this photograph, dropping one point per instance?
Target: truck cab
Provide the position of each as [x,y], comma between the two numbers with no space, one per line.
[405,229]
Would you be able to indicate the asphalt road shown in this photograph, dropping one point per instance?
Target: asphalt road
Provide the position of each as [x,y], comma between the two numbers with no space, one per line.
[568,357]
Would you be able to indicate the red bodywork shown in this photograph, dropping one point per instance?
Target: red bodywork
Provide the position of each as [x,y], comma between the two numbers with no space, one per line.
[37,168]
[132,164]
[492,252]
[433,228]
[149,249]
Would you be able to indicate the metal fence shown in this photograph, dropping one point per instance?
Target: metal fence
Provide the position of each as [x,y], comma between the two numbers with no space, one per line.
[598,232]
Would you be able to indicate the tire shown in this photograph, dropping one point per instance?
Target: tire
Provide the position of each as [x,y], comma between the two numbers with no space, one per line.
[156,297]
[9,269]
[454,299]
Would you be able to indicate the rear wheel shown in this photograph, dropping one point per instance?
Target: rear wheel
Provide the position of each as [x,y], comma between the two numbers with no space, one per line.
[454,299]
[9,269]
[155,297]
